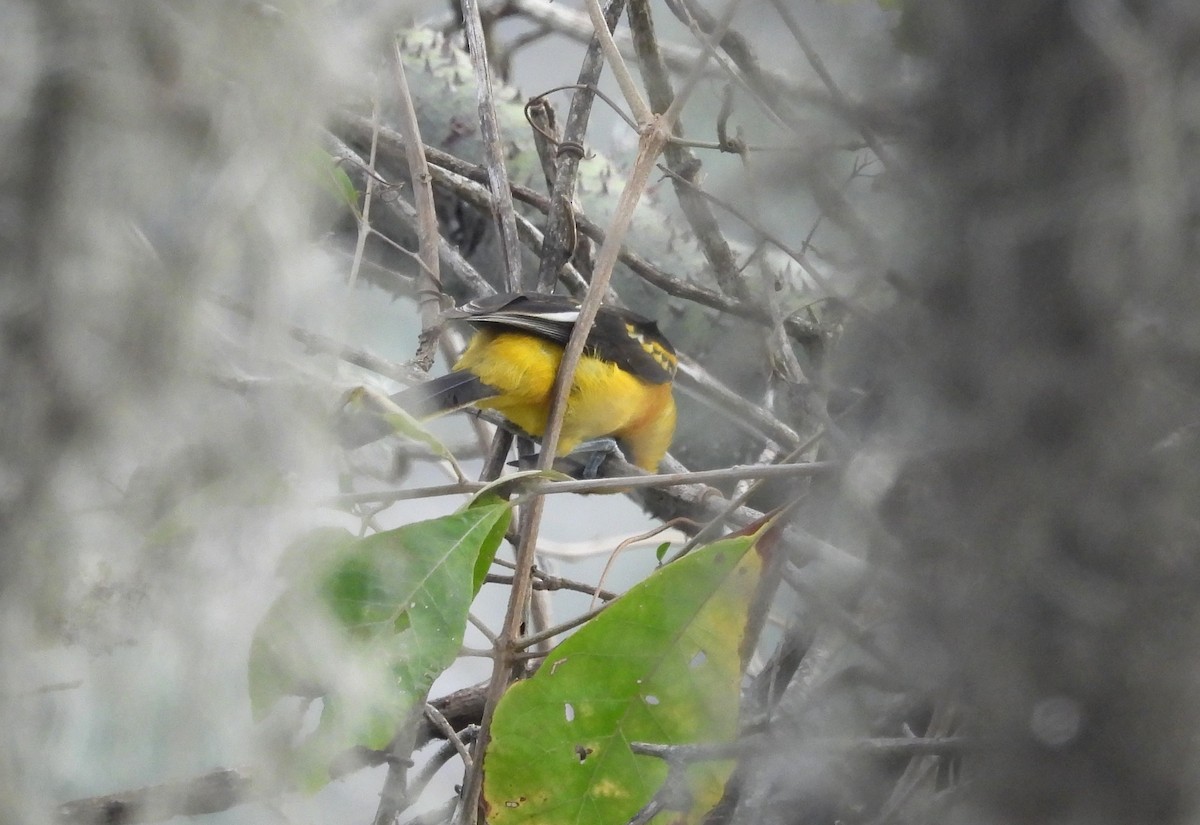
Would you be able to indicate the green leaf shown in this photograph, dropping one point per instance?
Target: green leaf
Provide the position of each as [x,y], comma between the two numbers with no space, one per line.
[660,665]
[365,400]
[484,563]
[661,552]
[519,481]
[404,423]
[343,187]
[328,174]
[367,624]
[401,421]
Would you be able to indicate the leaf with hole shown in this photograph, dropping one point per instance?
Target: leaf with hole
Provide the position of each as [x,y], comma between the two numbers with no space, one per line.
[660,665]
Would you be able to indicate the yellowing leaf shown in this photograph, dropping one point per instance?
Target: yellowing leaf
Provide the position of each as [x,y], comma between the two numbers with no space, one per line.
[660,665]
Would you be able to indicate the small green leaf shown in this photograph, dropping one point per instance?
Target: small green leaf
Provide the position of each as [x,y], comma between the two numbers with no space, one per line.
[343,186]
[405,424]
[332,178]
[517,482]
[400,420]
[661,552]
[661,664]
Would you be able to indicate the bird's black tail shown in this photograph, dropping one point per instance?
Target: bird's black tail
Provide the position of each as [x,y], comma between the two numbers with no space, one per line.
[448,393]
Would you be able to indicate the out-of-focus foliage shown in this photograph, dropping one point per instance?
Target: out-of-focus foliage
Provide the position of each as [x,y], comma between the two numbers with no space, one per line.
[366,625]
[985,320]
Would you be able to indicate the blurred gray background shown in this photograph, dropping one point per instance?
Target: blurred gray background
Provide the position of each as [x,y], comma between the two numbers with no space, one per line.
[1020,289]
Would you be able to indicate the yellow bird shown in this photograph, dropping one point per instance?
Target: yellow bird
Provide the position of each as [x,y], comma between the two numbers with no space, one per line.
[622,388]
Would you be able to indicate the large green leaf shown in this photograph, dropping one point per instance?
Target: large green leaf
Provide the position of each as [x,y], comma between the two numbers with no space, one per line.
[367,624]
[660,665]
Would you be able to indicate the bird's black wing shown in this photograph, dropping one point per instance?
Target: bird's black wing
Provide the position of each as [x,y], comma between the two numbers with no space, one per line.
[550,316]
[619,336]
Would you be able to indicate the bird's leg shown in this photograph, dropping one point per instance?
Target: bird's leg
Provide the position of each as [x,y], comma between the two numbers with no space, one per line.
[595,452]
[583,462]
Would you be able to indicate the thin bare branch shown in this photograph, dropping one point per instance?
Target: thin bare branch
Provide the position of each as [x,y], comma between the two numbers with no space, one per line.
[750,74]
[708,50]
[552,582]
[493,144]
[561,221]
[364,216]
[549,633]
[796,255]
[597,485]
[616,62]
[679,158]
[390,142]
[547,583]
[439,721]
[429,289]
[445,753]
[843,103]
[447,254]
[678,57]
[404,373]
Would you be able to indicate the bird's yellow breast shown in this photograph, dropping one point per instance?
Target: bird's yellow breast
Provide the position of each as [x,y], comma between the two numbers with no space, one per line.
[604,400]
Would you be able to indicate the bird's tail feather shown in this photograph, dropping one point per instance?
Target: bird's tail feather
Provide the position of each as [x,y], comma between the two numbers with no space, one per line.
[448,393]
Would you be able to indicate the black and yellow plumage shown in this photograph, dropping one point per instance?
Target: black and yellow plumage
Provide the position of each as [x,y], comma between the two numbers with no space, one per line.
[622,387]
